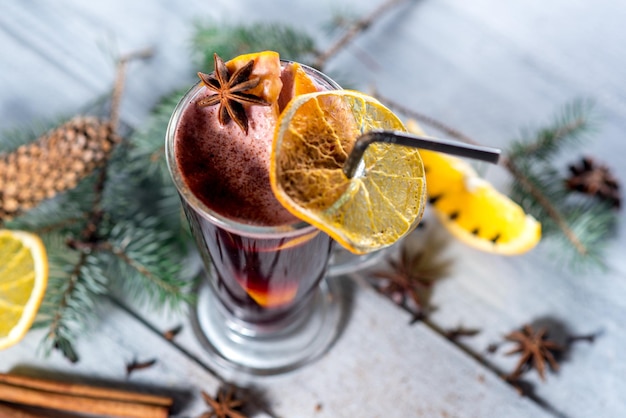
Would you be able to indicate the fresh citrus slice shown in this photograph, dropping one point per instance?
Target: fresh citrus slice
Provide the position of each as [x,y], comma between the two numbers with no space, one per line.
[472,209]
[23,280]
[315,133]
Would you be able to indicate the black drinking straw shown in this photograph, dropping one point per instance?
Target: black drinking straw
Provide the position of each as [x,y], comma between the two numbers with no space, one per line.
[476,152]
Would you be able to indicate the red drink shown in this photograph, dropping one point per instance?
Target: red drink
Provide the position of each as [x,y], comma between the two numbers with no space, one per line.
[265,308]
[267,261]
[260,280]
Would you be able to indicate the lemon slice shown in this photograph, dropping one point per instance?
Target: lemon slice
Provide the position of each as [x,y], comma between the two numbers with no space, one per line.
[23,280]
[472,209]
[315,133]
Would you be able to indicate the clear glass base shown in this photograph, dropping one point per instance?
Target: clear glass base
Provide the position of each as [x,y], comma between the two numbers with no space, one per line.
[236,347]
[344,262]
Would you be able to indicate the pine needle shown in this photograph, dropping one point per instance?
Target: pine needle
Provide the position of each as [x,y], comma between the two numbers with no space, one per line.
[74,284]
[145,266]
[569,128]
[540,188]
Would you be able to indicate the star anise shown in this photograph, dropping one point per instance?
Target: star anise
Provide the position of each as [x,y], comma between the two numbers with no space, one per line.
[231,92]
[595,180]
[411,278]
[536,350]
[224,405]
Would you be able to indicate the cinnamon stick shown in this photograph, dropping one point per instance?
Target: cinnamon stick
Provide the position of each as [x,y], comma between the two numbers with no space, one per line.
[82,389]
[8,411]
[81,398]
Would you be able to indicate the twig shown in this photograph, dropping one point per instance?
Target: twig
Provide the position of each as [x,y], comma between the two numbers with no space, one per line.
[358,27]
[89,246]
[170,334]
[139,365]
[58,225]
[55,323]
[89,234]
[561,132]
[427,120]
[508,163]
[551,211]
[460,331]
[120,77]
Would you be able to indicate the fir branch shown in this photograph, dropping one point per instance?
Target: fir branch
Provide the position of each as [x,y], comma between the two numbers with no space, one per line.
[358,27]
[593,223]
[529,158]
[426,120]
[148,142]
[230,40]
[75,282]
[549,181]
[146,160]
[546,205]
[567,130]
[148,263]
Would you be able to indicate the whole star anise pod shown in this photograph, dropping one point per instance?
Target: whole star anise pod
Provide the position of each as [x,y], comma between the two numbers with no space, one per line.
[536,350]
[411,278]
[224,405]
[595,180]
[230,92]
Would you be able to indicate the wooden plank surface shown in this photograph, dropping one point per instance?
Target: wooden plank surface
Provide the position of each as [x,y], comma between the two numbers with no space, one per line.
[488,68]
[106,351]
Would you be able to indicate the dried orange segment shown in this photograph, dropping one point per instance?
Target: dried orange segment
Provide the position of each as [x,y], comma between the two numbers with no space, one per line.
[383,202]
[302,83]
[23,280]
[267,68]
[295,82]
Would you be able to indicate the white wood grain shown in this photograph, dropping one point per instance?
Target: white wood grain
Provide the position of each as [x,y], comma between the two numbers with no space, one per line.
[489,69]
[112,344]
[380,367]
[486,67]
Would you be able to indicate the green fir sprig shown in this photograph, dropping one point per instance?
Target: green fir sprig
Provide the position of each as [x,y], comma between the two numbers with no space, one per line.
[119,232]
[579,225]
[108,239]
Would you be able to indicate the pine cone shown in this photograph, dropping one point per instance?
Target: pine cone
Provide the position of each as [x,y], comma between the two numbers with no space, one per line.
[54,163]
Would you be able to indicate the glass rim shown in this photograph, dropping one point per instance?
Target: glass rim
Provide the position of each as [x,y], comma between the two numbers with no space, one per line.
[200,207]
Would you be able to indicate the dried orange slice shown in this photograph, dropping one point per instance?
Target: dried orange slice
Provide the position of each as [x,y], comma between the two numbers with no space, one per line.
[472,209]
[315,133]
[23,280]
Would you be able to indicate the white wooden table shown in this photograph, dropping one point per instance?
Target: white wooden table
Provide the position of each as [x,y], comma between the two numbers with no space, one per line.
[486,67]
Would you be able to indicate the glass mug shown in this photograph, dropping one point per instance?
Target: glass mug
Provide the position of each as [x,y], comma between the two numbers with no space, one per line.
[266,307]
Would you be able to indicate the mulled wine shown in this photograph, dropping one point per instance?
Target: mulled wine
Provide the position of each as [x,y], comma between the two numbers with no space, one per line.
[266,308]
[260,280]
